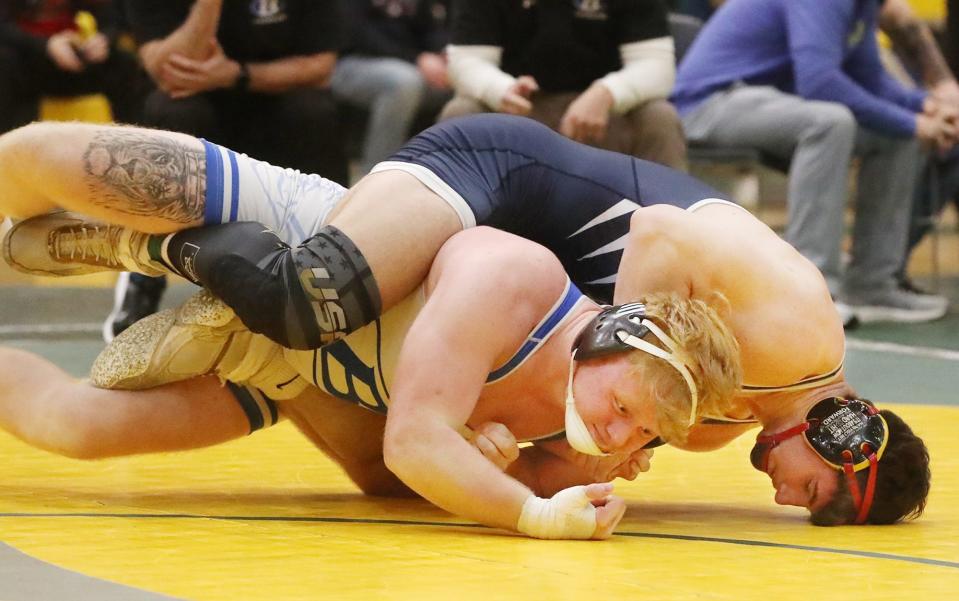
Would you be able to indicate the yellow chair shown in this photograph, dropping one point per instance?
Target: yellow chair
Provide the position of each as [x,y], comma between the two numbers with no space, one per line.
[93,108]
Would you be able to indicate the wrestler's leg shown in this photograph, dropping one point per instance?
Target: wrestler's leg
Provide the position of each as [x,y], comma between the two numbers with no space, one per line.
[47,408]
[150,180]
[375,249]
[351,436]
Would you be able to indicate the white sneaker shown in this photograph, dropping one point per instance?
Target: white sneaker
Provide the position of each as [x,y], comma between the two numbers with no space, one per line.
[896,304]
[64,243]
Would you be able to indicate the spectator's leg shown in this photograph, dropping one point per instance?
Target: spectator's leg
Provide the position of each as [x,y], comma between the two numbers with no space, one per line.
[124,83]
[819,136]
[433,102]
[657,134]
[19,89]
[887,177]
[298,129]
[391,90]
[460,106]
[195,115]
[925,206]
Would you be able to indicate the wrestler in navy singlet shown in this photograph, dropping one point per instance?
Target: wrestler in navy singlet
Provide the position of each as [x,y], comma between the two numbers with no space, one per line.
[518,175]
[501,171]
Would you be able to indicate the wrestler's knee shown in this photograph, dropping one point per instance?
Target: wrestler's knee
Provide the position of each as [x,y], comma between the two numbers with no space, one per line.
[303,297]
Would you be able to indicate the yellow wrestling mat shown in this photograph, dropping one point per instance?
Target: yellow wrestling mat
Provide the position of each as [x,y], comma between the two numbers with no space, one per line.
[270,518]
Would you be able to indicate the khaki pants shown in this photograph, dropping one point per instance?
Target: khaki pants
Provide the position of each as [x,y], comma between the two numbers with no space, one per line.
[651,131]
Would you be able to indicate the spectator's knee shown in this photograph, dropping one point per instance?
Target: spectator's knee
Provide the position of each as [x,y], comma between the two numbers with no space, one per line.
[308,111]
[195,115]
[461,106]
[836,120]
[406,84]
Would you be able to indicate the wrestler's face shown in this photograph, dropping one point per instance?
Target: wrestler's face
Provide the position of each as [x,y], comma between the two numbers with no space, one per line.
[800,476]
[618,407]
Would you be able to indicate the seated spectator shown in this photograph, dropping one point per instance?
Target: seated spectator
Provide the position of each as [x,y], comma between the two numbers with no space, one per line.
[393,67]
[597,72]
[42,53]
[253,76]
[924,65]
[804,80]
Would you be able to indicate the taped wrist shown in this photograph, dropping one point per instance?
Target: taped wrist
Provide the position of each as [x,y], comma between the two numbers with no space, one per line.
[302,297]
[568,514]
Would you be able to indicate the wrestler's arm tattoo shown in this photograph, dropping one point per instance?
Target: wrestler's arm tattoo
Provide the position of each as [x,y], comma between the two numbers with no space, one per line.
[140,173]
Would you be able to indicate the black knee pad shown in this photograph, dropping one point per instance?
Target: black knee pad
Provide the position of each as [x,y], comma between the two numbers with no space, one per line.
[302,298]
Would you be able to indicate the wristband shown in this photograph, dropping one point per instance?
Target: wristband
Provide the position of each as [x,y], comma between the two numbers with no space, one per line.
[569,514]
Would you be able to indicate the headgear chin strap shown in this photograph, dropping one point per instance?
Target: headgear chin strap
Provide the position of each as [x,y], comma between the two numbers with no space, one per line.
[619,329]
[848,434]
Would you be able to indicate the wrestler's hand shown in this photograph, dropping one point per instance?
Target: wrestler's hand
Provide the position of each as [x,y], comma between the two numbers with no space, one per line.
[578,512]
[516,100]
[610,509]
[496,443]
[587,118]
[62,50]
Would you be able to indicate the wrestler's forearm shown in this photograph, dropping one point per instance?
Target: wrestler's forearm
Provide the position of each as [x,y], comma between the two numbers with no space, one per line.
[545,473]
[434,460]
[153,181]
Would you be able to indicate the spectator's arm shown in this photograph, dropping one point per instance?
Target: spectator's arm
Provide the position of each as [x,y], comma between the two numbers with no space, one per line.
[914,40]
[865,67]
[107,14]
[275,77]
[817,32]
[430,26]
[649,71]
[12,35]
[368,40]
[191,39]
[475,72]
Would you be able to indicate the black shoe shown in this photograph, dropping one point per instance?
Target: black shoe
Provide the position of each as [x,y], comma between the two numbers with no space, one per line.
[134,297]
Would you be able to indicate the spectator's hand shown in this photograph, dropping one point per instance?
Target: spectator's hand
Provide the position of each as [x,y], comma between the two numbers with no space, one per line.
[96,49]
[62,50]
[947,92]
[184,77]
[496,443]
[432,67]
[516,100]
[936,132]
[587,117]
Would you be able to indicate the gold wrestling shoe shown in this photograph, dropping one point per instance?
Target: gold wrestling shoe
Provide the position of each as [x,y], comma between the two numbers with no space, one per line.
[202,336]
[64,243]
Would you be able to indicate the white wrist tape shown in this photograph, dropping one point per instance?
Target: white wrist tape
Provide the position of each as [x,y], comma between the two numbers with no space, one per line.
[567,514]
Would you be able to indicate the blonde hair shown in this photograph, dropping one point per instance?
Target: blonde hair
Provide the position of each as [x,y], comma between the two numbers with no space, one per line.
[705,343]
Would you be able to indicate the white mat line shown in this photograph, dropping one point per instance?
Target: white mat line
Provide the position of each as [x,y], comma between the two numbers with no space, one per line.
[49,328]
[925,352]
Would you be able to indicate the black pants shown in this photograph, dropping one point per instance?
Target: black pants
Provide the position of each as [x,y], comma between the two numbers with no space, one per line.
[26,75]
[297,129]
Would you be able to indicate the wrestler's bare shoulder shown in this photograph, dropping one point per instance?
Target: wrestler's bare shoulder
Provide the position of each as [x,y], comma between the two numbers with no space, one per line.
[490,263]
